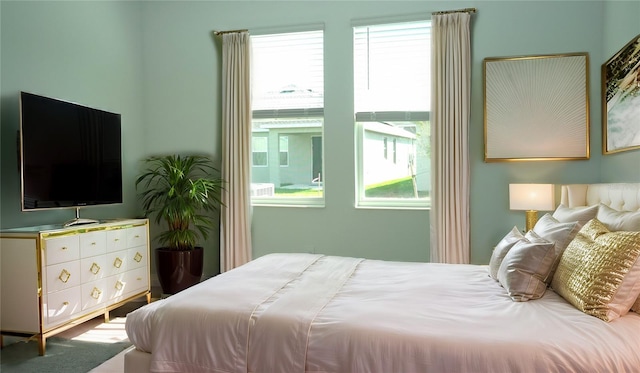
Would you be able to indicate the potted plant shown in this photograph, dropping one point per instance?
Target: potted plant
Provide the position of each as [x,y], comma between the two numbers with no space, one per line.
[181,192]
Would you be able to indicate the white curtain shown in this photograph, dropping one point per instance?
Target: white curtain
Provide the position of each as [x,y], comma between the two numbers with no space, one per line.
[236,149]
[450,103]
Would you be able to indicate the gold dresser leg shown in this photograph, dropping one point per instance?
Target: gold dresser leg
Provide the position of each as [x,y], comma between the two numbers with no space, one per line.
[41,344]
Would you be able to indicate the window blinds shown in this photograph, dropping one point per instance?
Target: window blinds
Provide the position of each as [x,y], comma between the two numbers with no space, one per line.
[392,71]
[288,75]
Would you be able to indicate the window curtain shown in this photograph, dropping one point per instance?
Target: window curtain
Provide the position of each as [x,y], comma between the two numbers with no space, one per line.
[236,150]
[450,105]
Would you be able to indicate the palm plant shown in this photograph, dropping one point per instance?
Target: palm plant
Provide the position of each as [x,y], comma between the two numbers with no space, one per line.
[180,190]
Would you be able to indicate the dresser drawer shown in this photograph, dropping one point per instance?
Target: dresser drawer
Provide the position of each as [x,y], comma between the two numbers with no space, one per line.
[116,287]
[93,268]
[61,249]
[93,294]
[126,284]
[60,306]
[116,262]
[93,243]
[136,281]
[137,257]
[61,276]
[137,236]
[116,240]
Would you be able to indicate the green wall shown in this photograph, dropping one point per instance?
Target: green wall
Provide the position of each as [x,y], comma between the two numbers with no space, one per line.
[158,64]
[84,52]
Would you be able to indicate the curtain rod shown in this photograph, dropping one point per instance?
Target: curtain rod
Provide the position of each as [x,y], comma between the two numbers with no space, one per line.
[465,10]
[229,32]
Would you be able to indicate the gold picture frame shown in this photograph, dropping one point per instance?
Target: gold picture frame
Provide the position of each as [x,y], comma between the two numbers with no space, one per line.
[536,108]
[621,100]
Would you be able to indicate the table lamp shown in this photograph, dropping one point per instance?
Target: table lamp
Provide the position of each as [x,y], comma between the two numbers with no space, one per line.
[531,198]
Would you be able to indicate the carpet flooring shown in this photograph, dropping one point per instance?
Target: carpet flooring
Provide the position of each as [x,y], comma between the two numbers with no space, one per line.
[79,349]
[62,355]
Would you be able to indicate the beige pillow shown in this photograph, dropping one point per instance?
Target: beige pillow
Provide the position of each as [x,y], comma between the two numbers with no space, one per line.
[616,220]
[501,250]
[526,266]
[550,229]
[580,214]
[599,272]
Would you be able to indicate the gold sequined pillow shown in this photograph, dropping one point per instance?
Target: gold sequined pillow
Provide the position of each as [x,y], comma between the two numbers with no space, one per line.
[599,272]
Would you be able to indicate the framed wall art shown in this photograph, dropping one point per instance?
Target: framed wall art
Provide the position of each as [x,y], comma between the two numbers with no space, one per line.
[621,99]
[536,107]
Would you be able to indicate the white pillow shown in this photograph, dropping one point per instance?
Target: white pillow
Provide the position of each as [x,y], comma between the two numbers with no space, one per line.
[550,229]
[580,214]
[501,249]
[616,220]
[526,266]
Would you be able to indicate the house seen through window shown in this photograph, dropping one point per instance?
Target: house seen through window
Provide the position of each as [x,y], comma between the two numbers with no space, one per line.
[392,104]
[284,150]
[259,145]
[288,117]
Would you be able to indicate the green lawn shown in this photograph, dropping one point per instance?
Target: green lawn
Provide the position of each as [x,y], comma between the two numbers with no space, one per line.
[401,188]
[285,192]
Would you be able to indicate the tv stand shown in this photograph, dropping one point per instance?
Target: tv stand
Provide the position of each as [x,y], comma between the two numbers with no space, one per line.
[79,221]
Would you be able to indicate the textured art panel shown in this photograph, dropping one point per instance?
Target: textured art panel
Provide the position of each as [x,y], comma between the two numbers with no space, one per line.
[536,107]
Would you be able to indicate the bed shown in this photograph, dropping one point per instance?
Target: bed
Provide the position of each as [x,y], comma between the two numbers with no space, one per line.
[316,313]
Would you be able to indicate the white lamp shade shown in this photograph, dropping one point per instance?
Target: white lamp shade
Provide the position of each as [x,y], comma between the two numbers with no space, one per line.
[539,197]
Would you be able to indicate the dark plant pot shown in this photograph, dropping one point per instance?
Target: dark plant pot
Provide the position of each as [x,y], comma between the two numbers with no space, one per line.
[177,270]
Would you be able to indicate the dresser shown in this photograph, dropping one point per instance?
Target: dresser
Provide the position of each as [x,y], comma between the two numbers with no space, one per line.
[53,278]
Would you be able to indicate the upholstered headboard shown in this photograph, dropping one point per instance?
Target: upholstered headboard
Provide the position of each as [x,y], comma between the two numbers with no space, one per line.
[619,196]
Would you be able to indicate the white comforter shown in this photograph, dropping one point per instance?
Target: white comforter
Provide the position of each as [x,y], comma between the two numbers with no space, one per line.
[311,313]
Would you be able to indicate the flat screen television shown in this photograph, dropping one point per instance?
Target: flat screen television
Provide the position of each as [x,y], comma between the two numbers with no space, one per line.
[70,155]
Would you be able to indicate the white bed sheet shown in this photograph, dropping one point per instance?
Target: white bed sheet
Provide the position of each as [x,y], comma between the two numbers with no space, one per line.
[313,313]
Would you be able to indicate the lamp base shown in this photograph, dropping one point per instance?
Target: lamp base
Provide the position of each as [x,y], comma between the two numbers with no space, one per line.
[532,218]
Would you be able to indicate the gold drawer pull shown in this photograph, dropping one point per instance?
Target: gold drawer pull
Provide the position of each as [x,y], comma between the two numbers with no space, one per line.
[93,244]
[139,279]
[136,236]
[65,303]
[117,263]
[119,285]
[116,239]
[64,276]
[95,293]
[63,248]
[95,268]
[138,257]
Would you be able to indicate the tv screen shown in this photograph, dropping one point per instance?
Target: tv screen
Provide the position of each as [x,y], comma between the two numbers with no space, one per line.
[70,155]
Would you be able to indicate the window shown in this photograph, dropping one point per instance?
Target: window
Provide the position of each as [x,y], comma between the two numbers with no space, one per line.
[395,160]
[284,150]
[386,151]
[392,103]
[288,109]
[259,151]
